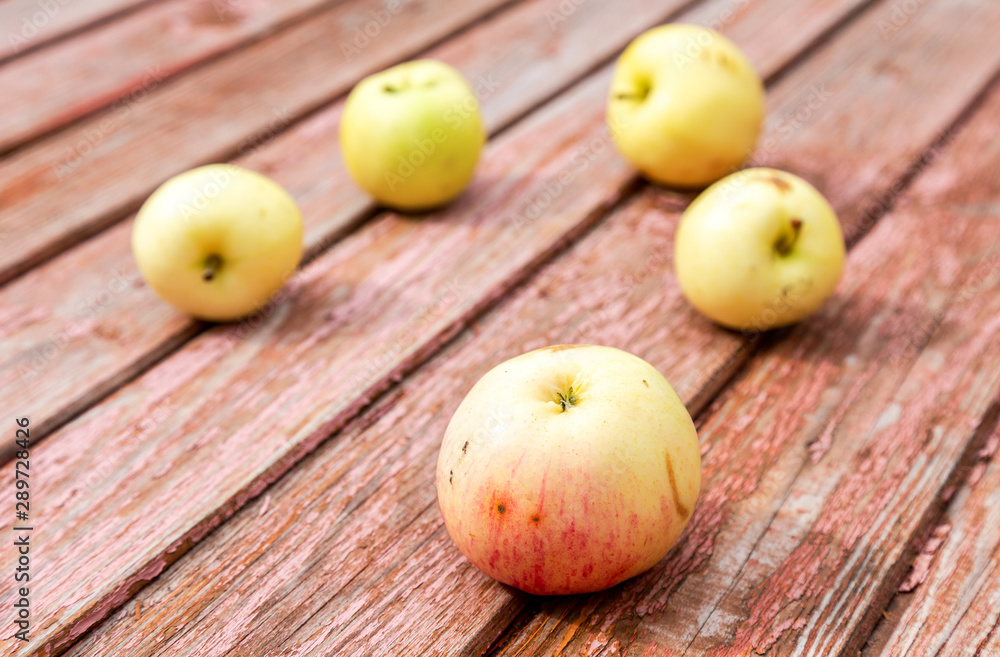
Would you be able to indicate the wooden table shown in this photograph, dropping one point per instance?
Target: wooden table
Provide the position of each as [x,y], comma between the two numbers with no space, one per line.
[267,487]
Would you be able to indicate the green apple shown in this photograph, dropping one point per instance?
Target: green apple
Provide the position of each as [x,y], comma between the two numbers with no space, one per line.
[218,241]
[759,249]
[411,135]
[685,105]
[568,469]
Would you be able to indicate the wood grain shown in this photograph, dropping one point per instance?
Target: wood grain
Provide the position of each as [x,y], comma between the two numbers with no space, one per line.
[106,165]
[952,607]
[388,560]
[27,25]
[121,62]
[955,607]
[353,321]
[80,325]
[830,457]
[827,529]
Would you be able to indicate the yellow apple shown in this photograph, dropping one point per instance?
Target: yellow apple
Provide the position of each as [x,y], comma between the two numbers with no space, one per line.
[685,105]
[568,469]
[411,135]
[759,249]
[218,241]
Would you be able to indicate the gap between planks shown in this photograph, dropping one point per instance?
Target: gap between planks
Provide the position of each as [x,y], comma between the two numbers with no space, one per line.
[895,601]
[958,496]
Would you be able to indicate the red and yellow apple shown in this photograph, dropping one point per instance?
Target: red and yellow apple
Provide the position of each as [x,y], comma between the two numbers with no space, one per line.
[568,469]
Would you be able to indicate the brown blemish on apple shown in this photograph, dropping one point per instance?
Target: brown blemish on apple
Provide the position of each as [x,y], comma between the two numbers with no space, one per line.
[782,185]
[465,446]
[644,383]
[536,519]
[451,473]
[682,510]
[562,347]
[501,509]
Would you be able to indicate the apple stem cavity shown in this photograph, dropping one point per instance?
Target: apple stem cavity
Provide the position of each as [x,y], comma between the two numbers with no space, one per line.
[212,265]
[637,92]
[785,243]
[403,85]
[569,399]
[637,95]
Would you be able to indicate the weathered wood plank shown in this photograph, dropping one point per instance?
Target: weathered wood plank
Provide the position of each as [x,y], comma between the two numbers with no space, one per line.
[124,60]
[956,602]
[955,608]
[830,456]
[881,460]
[353,321]
[78,326]
[29,24]
[365,551]
[79,181]
[833,537]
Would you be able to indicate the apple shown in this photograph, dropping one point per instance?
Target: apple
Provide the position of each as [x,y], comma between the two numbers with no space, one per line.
[411,135]
[685,105]
[759,249]
[568,469]
[218,241]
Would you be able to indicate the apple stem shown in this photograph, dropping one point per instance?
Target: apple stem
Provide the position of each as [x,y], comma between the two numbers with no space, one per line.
[212,265]
[567,400]
[786,242]
[637,94]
